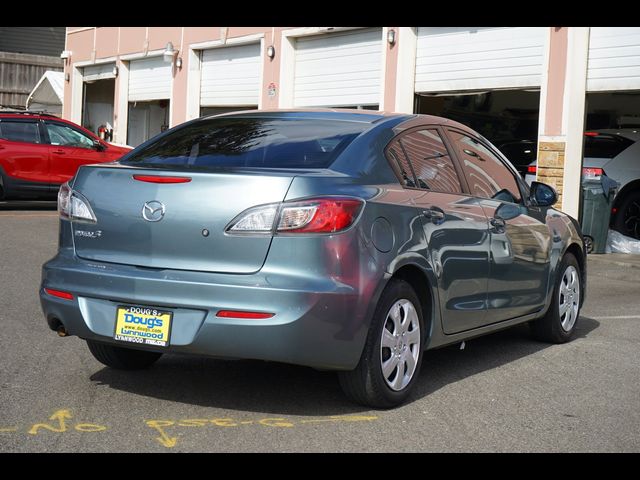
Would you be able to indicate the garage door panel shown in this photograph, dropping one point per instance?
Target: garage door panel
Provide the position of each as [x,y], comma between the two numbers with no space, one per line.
[608,37]
[532,53]
[602,65]
[362,71]
[614,59]
[231,75]
[352,85]
[480,66]
[629,52]
[341,68]
[492,41]
[98,72]
[149,79]
[353,98]
[450,58]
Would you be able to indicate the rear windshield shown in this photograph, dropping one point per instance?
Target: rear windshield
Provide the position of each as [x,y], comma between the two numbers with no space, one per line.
[605,145]
[250,142]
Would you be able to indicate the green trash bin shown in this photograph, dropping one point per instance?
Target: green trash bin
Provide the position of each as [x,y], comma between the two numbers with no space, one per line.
[597,200]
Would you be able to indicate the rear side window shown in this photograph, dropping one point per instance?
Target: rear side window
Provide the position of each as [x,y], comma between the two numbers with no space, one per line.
[19,131]
[400,164]
[250,142]
[603,145]
[486,175]
[430,160]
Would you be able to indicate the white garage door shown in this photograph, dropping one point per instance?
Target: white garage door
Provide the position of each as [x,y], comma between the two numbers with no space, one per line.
[230,76]
[614,59]
[337,69]
[98,72]
[149,79]
[454,58]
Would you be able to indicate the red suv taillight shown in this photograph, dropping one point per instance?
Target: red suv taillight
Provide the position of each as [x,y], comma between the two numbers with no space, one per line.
[314,215]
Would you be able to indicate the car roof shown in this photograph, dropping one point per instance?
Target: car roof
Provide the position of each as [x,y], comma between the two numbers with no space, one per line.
[629,133]
[408,120]
[28,114]
[344,114]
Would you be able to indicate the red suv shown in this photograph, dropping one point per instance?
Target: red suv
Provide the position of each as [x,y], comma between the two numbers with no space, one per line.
[39,152]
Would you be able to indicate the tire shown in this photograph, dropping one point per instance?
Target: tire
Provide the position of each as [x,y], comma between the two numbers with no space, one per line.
[122,358]
[557,327]
[367,384]
[627,220]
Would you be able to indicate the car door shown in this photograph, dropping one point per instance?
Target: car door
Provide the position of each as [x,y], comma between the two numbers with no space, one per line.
[24,156]
[520,243]
[455,226]
[69,149]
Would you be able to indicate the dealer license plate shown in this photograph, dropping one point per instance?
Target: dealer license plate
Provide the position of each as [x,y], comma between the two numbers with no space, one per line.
[143,325]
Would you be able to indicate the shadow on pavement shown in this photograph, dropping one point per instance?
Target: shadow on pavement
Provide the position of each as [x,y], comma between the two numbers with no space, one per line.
[20,205]
[266,387]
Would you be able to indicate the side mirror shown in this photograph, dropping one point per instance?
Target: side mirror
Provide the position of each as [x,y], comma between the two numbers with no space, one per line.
[542,195]
[98,145]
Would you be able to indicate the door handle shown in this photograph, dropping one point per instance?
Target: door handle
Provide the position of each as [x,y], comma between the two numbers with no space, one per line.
[435,214]
[59,151]
[498,224]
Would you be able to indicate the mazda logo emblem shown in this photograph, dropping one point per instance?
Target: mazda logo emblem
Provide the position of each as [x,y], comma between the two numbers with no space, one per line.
[153,211]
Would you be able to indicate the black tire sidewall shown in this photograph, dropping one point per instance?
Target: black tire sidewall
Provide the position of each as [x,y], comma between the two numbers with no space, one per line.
[624,205]
[560,334]
[398,289]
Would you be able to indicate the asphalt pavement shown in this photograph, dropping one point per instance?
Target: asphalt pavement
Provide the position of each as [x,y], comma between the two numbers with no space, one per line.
[502,393]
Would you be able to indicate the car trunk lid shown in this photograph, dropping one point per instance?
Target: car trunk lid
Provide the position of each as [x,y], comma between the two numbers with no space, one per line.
[185,224]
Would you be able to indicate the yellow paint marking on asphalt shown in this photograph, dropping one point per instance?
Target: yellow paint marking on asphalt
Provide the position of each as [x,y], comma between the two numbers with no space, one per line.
[342,418]
[164,439]
[61,416]
[8,430]
[193,422]
[89,427]
[168,441]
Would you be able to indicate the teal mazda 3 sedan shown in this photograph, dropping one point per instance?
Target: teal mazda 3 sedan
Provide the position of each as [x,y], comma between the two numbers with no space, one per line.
[343,240]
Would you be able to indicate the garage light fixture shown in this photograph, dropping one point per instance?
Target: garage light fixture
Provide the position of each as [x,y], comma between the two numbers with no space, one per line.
[115,70]
[391,37]
[271,51]
[169,52]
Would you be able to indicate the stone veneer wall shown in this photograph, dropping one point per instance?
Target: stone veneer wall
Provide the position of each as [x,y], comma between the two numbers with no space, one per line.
[551,165]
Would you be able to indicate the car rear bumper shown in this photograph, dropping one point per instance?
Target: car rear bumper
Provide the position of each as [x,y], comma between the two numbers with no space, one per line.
[319,322]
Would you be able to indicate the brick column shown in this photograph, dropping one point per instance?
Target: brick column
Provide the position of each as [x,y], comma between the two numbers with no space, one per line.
[551,165]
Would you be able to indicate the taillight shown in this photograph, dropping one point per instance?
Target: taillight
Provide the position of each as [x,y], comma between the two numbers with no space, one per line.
[244,314]
[592,173]
[323,215]
[73,206]
[532,169]
[161,179]
[59,293]
[316,215]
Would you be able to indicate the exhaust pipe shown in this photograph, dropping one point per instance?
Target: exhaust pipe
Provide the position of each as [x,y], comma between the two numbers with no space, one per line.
[62,332]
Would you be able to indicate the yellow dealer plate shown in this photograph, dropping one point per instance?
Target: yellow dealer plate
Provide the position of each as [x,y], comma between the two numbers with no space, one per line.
[144,325]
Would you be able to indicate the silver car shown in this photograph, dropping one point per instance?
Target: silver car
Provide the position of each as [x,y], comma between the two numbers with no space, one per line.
[615,153]
[342,240]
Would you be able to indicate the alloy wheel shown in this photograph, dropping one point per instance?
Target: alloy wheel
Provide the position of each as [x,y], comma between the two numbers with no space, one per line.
[569,298]
[400,345]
